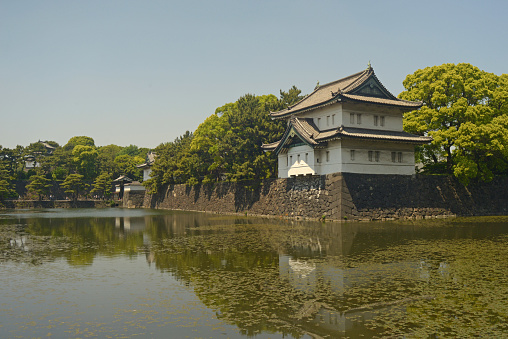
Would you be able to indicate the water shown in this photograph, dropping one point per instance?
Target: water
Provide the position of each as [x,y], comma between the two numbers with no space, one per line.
[125,273]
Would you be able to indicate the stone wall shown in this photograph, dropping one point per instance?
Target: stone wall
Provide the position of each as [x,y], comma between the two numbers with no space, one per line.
[390,196]
[310,197]
[133,199]
[339,196]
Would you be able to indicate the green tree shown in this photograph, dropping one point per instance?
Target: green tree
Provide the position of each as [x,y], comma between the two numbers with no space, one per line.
[73,185]
[85,157]
[79,140]
[465,112]
[6,188]
[102,185]
[169,165]
[39,185]
[106,158]
[126,165]
[226,146]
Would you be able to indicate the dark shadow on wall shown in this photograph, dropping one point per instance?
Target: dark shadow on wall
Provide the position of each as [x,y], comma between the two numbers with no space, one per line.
[369,192]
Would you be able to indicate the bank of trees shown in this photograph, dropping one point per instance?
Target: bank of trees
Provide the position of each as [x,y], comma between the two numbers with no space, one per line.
[466,112]
[80,160]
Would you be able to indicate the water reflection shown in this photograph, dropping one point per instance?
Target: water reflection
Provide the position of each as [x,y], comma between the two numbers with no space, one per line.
[298,278]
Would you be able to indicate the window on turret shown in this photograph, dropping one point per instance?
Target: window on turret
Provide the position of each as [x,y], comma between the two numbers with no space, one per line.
[352,152]
[394,156]
[371,153]
[382,121]
[327,156]
[298,159]
[359,119]
[352,118]
[327,120]
[376,118]
[307,158]
[377,156]
[333,119]
[291,160]
[318,122]
[399,156]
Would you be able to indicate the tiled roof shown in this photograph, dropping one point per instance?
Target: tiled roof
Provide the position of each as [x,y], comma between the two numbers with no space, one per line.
[310,134]
[346,89]
[364,133]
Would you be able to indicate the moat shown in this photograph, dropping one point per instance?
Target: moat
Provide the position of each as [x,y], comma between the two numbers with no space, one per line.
[153,273]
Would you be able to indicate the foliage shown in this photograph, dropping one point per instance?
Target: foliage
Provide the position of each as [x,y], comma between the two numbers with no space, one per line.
[226,146]
[106,158]
[80,140]
[102,185]
[167,169]
[6,189]
[39,185]
[85,157]
[73,185]
[126,165]
[466,113]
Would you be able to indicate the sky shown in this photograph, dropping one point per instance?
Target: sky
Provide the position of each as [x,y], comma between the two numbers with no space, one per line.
[144,72]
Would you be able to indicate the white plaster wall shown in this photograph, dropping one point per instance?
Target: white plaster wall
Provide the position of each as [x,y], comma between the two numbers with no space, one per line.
[292,165]
[147,174]
[332,162]
[385,165]
[392,117]
[325,118]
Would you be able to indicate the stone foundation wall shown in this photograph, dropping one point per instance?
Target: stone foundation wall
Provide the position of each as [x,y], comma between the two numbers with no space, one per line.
[133,199]
[390,196]
[339,196]
[309,197]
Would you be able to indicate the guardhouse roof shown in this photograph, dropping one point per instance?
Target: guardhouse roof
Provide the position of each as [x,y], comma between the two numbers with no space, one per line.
[363,87]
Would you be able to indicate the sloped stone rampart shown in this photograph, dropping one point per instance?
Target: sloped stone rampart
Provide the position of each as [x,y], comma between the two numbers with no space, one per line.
[340,196]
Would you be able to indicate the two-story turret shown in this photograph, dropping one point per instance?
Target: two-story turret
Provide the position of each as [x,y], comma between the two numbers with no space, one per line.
[350,125]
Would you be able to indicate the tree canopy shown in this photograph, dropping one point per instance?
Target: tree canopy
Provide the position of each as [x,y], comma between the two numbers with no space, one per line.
[226,146]
[466,112]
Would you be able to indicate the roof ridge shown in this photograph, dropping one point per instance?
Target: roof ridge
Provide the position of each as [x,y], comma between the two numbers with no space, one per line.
[324,85]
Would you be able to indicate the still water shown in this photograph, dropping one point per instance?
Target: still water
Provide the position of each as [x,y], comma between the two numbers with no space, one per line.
[124,273]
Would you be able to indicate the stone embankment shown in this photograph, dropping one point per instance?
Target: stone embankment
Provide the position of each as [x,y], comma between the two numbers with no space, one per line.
[338,196]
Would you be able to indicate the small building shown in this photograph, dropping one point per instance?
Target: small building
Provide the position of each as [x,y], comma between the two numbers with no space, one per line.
[353,125]
[147,166]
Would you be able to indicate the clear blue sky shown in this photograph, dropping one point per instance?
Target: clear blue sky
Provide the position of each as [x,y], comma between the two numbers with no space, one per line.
[144,72]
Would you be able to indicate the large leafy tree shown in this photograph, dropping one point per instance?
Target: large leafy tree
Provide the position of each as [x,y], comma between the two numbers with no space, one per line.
[6,188]
[102,185]
[39,185]
[74,185]
[85,157]
[126,165]
[226,146]
[169,167]
[465,111]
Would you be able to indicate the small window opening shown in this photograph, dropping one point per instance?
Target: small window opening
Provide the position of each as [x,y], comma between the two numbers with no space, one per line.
[352,154]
